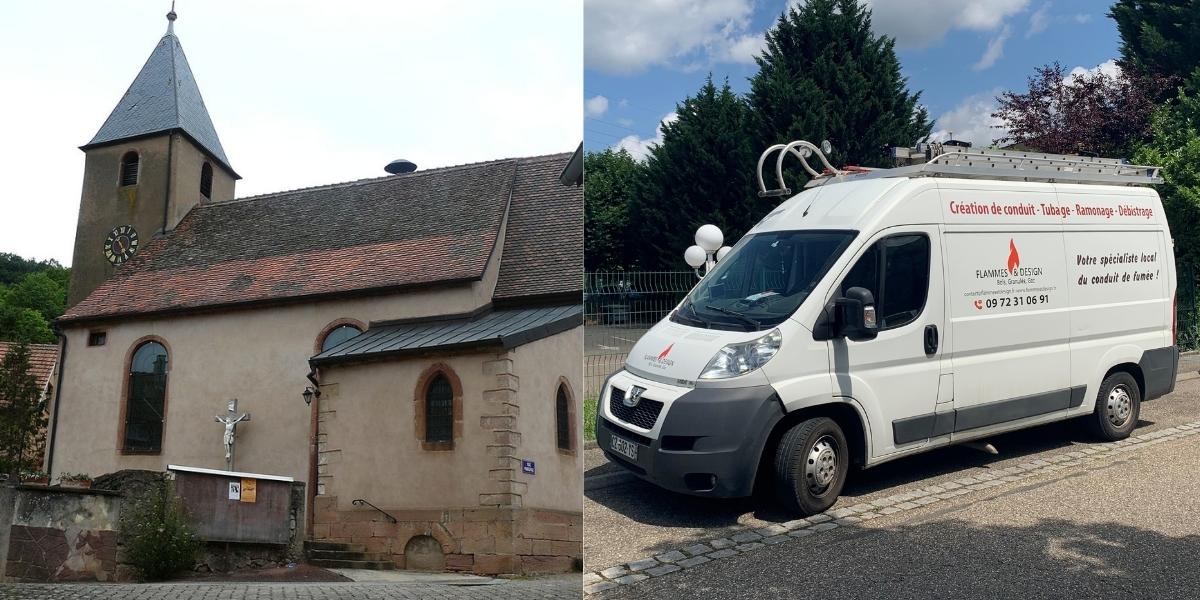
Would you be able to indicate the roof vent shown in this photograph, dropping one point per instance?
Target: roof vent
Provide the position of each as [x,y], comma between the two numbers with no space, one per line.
[400,166]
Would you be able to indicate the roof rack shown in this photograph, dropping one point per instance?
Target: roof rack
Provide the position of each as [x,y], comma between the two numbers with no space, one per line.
[963,162]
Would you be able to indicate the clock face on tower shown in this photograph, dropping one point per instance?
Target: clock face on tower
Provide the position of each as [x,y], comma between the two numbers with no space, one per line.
[120,244]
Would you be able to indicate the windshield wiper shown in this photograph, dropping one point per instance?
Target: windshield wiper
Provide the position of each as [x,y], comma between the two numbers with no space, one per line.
[734,313]
[696,316]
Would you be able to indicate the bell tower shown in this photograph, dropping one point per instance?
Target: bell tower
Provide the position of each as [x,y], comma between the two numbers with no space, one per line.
[154,158]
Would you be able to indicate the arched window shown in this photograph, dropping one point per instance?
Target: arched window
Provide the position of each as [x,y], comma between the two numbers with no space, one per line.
[439,410]
[146,400]
[129,168]
[563,418]
[206,181]
[338,335]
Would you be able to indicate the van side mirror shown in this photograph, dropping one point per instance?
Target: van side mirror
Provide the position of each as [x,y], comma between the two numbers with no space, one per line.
[855,315]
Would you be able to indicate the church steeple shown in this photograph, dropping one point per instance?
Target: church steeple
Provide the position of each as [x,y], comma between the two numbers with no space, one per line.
[164,97]
[155,158]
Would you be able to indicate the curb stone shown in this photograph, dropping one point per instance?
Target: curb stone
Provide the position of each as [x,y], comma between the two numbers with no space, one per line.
[750,540]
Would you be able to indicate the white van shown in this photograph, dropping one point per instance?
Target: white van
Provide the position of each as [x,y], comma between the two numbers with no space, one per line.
[884,313]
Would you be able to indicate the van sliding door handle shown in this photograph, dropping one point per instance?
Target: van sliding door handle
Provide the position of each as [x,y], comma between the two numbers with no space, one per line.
[931,340]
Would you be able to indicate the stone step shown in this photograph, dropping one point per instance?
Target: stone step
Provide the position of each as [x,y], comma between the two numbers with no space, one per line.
[375,565]
[335,546]
[343,555]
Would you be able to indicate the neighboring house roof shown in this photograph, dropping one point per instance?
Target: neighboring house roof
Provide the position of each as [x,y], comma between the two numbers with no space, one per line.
[506,328]
[163,97]
[572,174]
[543,248]
[42,358]
[427,227]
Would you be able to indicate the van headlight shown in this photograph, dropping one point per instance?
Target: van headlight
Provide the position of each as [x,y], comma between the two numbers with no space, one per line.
[739,359]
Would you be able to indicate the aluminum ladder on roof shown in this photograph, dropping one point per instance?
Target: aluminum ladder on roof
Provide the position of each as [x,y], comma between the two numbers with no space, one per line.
[962,162]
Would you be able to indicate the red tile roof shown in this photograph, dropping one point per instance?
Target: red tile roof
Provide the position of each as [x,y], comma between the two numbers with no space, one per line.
[427,227]
[543,245]
[42,358]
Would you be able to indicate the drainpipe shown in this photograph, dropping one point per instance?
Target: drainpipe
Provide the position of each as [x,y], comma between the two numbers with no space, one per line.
[62,359]
[314,429]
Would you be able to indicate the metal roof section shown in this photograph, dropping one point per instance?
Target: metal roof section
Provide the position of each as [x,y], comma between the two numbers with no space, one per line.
[507,328]
[163,97]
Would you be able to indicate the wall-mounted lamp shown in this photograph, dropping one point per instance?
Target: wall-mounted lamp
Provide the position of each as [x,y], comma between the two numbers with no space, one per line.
[309,392]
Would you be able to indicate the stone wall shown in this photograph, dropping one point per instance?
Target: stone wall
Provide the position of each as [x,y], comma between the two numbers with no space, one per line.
[60,534]
[485,541]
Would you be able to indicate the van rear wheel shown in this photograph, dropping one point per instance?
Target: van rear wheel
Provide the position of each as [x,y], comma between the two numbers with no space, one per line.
[811,462]
[1118,405]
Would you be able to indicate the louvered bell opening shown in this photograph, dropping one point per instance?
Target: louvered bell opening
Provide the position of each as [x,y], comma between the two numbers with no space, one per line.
[206,175]
[129,169]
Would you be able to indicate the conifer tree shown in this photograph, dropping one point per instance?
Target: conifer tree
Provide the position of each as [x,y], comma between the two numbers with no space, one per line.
[1158,39]
[825,76]
[22,410]
[702,172]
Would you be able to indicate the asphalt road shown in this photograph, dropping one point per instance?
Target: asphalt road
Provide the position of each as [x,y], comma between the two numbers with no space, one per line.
[1124,530]
[1129,529]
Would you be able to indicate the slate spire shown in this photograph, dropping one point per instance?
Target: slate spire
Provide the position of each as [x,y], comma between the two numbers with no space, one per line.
[163,97]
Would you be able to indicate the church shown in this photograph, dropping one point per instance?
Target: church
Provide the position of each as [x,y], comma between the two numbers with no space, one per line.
[408,346]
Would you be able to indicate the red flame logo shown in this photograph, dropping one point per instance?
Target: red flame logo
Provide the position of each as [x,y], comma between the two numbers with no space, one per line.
[1014,259]
[666,352]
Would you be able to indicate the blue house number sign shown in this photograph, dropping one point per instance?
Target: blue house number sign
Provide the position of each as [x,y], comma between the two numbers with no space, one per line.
[527,467]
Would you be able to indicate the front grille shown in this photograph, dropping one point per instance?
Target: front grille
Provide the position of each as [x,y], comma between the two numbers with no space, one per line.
[644,415]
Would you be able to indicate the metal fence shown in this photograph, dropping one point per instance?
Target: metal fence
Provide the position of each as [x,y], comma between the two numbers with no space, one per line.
[1187,311]
[618,307]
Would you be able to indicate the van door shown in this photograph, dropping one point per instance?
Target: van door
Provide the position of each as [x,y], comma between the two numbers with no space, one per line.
[1009,312]
[895,377]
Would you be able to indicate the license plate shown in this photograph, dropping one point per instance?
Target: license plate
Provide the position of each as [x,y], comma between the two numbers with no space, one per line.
[623,447]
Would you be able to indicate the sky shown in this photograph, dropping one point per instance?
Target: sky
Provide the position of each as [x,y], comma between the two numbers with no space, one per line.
[301,93]
[644,56]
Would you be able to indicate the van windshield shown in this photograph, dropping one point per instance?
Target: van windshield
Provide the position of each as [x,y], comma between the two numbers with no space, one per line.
[763,280]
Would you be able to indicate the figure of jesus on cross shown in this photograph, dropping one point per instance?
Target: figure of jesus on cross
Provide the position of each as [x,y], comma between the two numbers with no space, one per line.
[230,420]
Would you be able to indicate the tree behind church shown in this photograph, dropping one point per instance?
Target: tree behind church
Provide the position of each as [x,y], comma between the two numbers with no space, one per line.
[22,412]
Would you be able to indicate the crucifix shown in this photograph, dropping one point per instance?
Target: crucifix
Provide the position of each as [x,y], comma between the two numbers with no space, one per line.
[230,420]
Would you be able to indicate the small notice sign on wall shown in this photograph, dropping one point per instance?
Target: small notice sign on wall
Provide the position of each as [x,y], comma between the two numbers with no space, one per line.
[235,490]
[527,467]
[249,490]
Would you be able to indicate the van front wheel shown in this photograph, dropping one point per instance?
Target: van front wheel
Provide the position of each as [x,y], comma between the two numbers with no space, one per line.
[1118,405]
[811,462]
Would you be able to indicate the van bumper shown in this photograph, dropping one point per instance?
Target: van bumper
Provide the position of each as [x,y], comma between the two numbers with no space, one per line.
[709,444]
[1160,367]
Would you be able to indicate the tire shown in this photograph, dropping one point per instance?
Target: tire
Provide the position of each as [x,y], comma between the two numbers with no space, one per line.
[811,463]
[1118,404]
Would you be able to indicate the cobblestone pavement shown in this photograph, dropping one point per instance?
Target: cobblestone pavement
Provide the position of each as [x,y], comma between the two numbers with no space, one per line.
[534,589]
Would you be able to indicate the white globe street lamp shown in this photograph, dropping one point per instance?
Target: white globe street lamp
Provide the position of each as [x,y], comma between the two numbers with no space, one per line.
[707,251]
[710,238]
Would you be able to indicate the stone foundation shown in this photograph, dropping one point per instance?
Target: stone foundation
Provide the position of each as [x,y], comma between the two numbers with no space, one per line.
[484,541]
